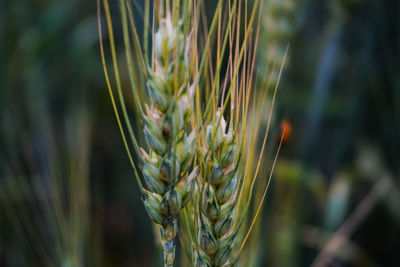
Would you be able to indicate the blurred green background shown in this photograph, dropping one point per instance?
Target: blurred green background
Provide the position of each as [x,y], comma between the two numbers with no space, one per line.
[67,193]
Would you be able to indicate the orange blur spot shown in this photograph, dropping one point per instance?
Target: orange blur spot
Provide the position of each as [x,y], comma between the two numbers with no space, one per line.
[286,130]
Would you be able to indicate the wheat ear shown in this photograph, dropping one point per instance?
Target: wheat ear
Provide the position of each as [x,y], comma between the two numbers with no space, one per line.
[167,159]
[218,196]
[166,166]
[227,178]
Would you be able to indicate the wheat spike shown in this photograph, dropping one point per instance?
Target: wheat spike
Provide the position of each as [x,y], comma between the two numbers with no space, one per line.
[218,196]
[166,166]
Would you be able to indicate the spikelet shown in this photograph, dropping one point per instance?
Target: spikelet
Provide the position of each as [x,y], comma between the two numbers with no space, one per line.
[166,166]
[218,196]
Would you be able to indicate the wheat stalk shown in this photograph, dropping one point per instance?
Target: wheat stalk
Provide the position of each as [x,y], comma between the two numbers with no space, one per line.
[46,196]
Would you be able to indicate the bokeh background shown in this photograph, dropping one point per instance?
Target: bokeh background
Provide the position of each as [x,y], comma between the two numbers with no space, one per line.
[68,196]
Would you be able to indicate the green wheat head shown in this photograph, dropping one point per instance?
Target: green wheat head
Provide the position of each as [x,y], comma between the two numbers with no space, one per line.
[218,196]
[167,168]
[197,161]
[167,157]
